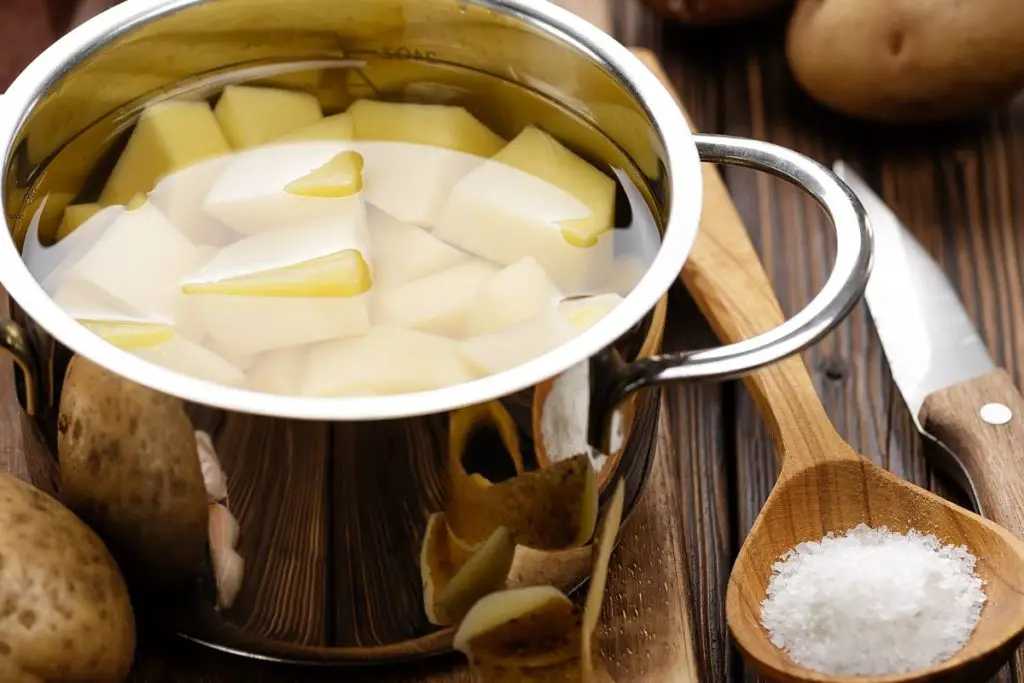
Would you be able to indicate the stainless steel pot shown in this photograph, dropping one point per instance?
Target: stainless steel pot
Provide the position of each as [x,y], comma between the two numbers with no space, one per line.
[333,494]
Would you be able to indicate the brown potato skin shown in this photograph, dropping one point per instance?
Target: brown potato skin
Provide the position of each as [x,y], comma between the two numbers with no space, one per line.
[129,468]
[65,614]
[714,11]
[905,61]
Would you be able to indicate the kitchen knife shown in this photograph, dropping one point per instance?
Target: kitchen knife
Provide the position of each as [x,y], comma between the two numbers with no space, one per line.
[955,392]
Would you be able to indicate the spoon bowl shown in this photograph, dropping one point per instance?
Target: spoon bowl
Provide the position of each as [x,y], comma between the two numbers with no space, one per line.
[835,495]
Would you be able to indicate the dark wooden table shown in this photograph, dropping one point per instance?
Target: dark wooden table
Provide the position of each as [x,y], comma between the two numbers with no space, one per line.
[959,187]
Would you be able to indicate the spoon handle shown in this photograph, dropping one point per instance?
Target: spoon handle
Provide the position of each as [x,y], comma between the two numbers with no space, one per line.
[730,286]
[981,423]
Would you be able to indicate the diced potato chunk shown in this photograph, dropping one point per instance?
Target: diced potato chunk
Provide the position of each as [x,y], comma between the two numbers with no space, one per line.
[242,361]
[325,258]
[49,264]
[83,300]
[503,214]
[404,252]
[516,293]
[412,182]
[253,116]
[436,125]
[387,360]
[139,261]
[179,196]
[519,343]
[74,216]
[342,176]
[129,334]
[168,137]
[532,338]
[337,127]
[537,153]
[277,372]
[245,325]
[250,197]
[582,313]
[189,358]
[437,303]
[626,272]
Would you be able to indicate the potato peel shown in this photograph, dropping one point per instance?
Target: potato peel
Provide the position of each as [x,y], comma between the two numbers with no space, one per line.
[547,509]
[456,576]
[535,626]
[604,543]
[535,633]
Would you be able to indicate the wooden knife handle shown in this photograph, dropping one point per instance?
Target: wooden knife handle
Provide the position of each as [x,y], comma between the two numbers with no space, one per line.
[981,421]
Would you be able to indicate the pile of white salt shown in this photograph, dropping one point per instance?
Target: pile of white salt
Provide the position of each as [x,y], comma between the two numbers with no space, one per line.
[873,602]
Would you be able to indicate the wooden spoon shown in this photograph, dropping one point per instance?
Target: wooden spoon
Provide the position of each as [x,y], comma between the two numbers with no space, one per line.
[824,485]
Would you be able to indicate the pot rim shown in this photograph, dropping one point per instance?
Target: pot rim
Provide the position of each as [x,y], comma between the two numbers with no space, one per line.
[684,190]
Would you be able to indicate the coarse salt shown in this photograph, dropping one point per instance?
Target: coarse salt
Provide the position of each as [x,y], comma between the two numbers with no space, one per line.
[873,602]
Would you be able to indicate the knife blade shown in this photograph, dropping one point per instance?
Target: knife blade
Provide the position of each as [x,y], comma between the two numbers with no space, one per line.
[956,394]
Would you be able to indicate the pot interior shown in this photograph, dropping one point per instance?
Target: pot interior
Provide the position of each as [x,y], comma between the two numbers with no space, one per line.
[69,169]
[333,515]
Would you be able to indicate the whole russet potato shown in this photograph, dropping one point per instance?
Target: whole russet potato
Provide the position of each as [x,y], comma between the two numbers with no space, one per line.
[65,614]
[130,469]
[714,11]
[907,60]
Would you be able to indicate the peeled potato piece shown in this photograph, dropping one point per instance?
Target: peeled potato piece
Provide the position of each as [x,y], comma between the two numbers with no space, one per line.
[249,195]
[535,633]
[277,372]
[437,303]
[626,272]
[519,343]
[415,153]
[434,125]
[410,181]
[169,136]
[516,293]
[179,196]
[452,584]
[342,176]
[253,116]
[582,313]
[548,509]
[129,334]
[139,261]
[246,325]
[74,216]
[404,252]
[337,127]
[556,208]
[189,358]
[324,258]
[386,360]
[540,155]
[49,264]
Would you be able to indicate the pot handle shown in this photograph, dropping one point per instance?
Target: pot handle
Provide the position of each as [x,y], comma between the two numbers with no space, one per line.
[16,343]
[843,289]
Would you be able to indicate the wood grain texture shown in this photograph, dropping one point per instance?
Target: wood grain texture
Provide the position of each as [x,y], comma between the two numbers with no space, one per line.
[824,486]
[959,188]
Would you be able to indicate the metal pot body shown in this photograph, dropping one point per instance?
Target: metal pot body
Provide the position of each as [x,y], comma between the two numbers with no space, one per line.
[333,495]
